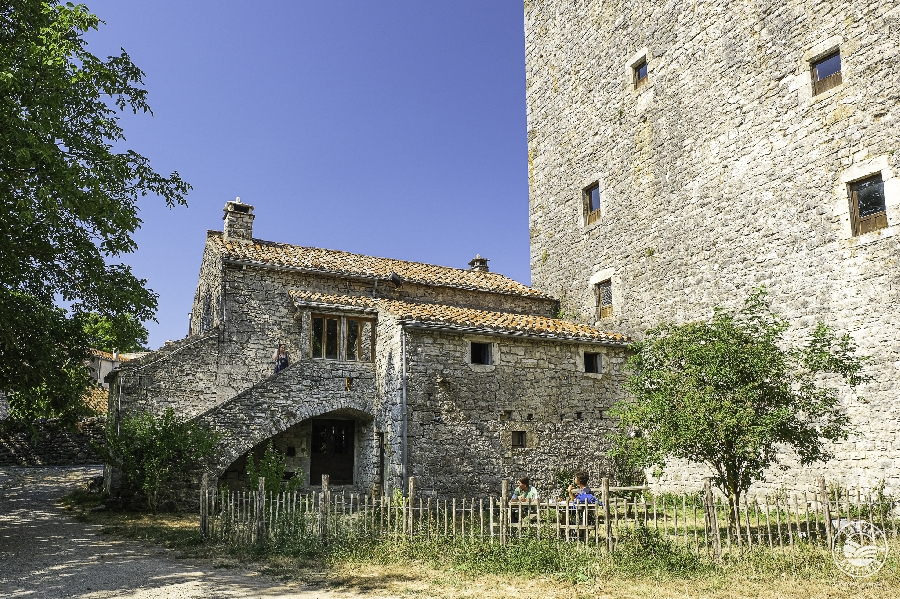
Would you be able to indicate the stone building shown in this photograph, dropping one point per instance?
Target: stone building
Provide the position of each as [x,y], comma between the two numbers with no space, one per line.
[683,153]
[459,377]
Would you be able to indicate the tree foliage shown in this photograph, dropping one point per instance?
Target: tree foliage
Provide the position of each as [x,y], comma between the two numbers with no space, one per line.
[154,451]
[68,201]
[731,392]
[123,332]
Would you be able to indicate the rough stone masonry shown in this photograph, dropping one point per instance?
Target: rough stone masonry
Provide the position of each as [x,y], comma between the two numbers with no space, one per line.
[460,377]
[682,154]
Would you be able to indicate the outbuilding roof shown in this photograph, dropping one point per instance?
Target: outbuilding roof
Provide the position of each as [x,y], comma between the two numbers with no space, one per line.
[443,316]
[269,253]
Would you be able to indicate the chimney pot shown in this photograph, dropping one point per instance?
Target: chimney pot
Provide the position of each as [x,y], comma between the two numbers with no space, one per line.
[479,264]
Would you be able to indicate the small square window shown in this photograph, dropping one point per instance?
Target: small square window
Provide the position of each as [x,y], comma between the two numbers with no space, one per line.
[518,439]
[867,207]
[481,353]
[826,72]
[592,202]
[291,452]
[593,362]
[640,73]
[604,298]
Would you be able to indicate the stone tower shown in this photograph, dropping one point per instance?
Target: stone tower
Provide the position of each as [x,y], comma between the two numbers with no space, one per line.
[683,153]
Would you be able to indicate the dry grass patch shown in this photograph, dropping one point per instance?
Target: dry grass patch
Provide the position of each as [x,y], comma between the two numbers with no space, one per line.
[462,572]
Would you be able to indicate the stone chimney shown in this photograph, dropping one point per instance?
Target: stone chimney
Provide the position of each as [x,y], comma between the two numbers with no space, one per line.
[238,220]
[479,264]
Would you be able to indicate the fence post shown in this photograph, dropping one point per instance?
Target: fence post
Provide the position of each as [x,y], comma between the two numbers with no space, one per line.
[826,510]
[504,501]
[324,501]
[204,506]
[261,510]
[412,496]
[712,520]
[607,521]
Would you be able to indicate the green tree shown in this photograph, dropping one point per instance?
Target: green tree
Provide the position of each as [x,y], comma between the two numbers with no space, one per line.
[152,451]
[68,201]
[731,391]
[123,332]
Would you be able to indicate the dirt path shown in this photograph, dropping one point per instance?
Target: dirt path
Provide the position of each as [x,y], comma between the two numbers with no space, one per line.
[46,554]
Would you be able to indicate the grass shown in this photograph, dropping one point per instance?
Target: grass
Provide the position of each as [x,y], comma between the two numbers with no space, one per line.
[646,565]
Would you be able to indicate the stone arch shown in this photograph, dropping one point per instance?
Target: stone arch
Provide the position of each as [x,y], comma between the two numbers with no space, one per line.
[276,404]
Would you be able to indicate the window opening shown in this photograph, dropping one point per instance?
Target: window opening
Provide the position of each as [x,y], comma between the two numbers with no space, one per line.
[481,353]
[359,340]
[518,439]
[318,324]
[331,338]
[640,73]
[592,202]
[867,207]
[826,72]
[593,362]
[604,298]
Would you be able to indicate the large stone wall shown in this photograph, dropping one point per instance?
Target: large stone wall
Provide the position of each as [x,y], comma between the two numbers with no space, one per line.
[51,444]
[462,415]
[722,173]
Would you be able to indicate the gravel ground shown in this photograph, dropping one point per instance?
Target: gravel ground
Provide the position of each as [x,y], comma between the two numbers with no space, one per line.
[45,553]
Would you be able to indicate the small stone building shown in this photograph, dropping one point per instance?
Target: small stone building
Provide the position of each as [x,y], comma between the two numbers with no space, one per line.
[460,377]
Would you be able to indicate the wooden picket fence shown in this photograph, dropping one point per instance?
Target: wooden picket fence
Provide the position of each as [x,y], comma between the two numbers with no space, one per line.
[701,522]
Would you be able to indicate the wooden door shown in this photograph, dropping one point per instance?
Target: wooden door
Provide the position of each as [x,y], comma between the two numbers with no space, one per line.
[333,447]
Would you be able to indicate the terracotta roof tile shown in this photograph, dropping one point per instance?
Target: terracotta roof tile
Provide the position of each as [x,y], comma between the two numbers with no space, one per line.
[442,315]
[99,353]
[346,263]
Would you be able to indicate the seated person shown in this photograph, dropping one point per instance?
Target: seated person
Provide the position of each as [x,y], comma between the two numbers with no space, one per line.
[582,497]
[579,492]
[523,492]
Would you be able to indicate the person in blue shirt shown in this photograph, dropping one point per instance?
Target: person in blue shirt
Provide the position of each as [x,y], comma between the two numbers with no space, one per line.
[579,492]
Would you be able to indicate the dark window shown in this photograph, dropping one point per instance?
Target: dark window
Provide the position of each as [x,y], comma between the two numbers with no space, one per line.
[518,439]
[593,362]
[826,72]
[604,298]
[331,338]
[360,338]
[481,353]
[867,209]
[291,452]
[318,331]
[592,202]
[640,73]
[325,331]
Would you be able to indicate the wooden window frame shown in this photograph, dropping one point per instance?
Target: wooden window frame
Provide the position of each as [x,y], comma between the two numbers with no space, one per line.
[519,439]
[604,310]
[824,84]
[872,222]
[636,69]
[591,216]
[359,338]
[342,341]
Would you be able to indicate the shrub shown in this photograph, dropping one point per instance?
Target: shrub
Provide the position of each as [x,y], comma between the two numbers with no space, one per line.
[154,450]
[271,468]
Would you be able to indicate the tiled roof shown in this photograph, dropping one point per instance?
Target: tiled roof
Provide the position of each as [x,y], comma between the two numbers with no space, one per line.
[96,399]
[463,319]
[345,263]
[99,353]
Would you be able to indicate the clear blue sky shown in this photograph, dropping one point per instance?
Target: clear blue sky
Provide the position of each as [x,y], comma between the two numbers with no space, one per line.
[380,127]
